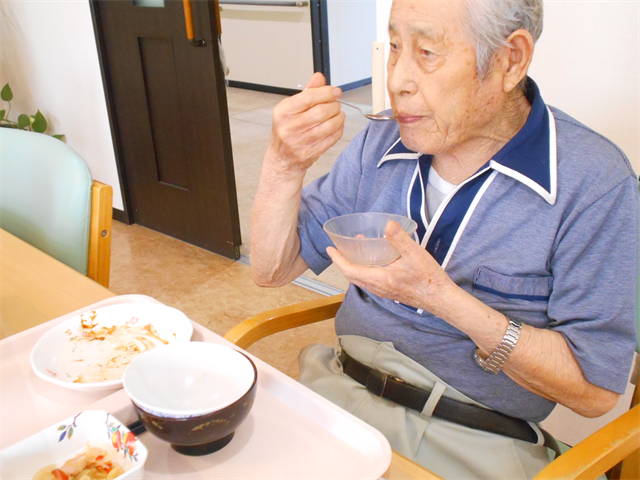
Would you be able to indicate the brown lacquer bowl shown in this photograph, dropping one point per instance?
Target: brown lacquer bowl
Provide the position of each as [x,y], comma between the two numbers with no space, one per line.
[192,395]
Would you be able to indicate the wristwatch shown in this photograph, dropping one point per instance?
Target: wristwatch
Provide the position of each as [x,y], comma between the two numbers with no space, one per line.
[495,361]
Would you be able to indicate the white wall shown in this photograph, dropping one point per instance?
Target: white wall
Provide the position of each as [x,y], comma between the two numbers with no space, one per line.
[268,45]
[352,30]
[587,63]
[48,55]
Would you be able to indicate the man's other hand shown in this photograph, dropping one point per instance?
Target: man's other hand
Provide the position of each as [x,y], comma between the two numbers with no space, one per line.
[414,279]
[306,125]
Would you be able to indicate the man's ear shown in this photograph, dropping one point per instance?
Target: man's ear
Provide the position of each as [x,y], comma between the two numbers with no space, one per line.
[516,59]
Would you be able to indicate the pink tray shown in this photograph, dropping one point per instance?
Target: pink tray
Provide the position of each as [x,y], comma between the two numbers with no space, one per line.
[291,432]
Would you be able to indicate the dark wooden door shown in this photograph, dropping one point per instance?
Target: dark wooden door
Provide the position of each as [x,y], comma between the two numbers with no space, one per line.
[168,109]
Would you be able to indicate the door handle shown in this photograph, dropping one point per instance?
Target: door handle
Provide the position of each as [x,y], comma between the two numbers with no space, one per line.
[188,18]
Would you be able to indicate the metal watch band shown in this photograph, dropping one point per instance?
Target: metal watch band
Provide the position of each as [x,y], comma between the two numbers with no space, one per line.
[496,360]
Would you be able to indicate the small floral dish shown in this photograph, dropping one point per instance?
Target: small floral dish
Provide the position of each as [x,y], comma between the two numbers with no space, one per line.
[61,450]
[91,351]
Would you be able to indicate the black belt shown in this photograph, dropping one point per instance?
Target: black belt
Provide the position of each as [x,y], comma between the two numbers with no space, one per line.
[398,391]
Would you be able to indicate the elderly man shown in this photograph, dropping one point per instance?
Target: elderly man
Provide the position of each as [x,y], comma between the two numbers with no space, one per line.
[518,289]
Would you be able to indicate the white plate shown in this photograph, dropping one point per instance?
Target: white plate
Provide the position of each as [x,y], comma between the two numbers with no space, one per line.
[68,438]
[59,360]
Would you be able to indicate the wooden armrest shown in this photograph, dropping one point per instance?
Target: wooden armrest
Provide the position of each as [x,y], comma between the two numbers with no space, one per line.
[264,324]
[99,264]
[599,452]
[402,468]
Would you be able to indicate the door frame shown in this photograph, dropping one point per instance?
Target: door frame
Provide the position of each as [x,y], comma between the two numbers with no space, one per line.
[115,135]
[127,217]
[320,38]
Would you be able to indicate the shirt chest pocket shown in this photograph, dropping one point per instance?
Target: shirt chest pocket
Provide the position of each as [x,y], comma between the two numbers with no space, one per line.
[498,287]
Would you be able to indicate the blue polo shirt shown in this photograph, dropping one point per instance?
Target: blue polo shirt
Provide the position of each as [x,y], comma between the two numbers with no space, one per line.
[546,233]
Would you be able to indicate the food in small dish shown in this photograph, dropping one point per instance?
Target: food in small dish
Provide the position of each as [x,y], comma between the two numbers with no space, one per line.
[92,464]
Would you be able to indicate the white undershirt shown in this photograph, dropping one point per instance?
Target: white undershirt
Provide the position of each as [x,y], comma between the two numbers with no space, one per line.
[437,190]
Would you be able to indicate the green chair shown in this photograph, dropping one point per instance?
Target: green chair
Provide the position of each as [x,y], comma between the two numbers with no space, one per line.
[48,199]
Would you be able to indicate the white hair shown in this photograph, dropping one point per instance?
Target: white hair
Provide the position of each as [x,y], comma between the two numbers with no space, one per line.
[490,22]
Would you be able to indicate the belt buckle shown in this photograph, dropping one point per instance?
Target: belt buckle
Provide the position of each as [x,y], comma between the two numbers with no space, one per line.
[377,382]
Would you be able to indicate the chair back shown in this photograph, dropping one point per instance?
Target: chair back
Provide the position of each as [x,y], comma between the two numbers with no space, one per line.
[638,304]
[45,195]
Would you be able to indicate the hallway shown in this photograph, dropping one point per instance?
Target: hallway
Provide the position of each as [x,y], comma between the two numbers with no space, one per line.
[250,121]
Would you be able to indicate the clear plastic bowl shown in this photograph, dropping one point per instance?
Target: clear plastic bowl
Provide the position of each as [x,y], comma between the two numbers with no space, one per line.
[360,237]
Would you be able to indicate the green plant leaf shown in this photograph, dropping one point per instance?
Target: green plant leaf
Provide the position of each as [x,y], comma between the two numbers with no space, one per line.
[6,94]
[60,137]
[23,121]
[39,123]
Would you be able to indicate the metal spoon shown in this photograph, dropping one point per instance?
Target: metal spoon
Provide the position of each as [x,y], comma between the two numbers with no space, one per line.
[370,116]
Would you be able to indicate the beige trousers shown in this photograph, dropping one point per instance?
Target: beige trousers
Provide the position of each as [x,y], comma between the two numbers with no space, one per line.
[447,449]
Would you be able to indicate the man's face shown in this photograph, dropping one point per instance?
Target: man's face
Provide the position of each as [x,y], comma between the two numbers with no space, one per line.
[442,105]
